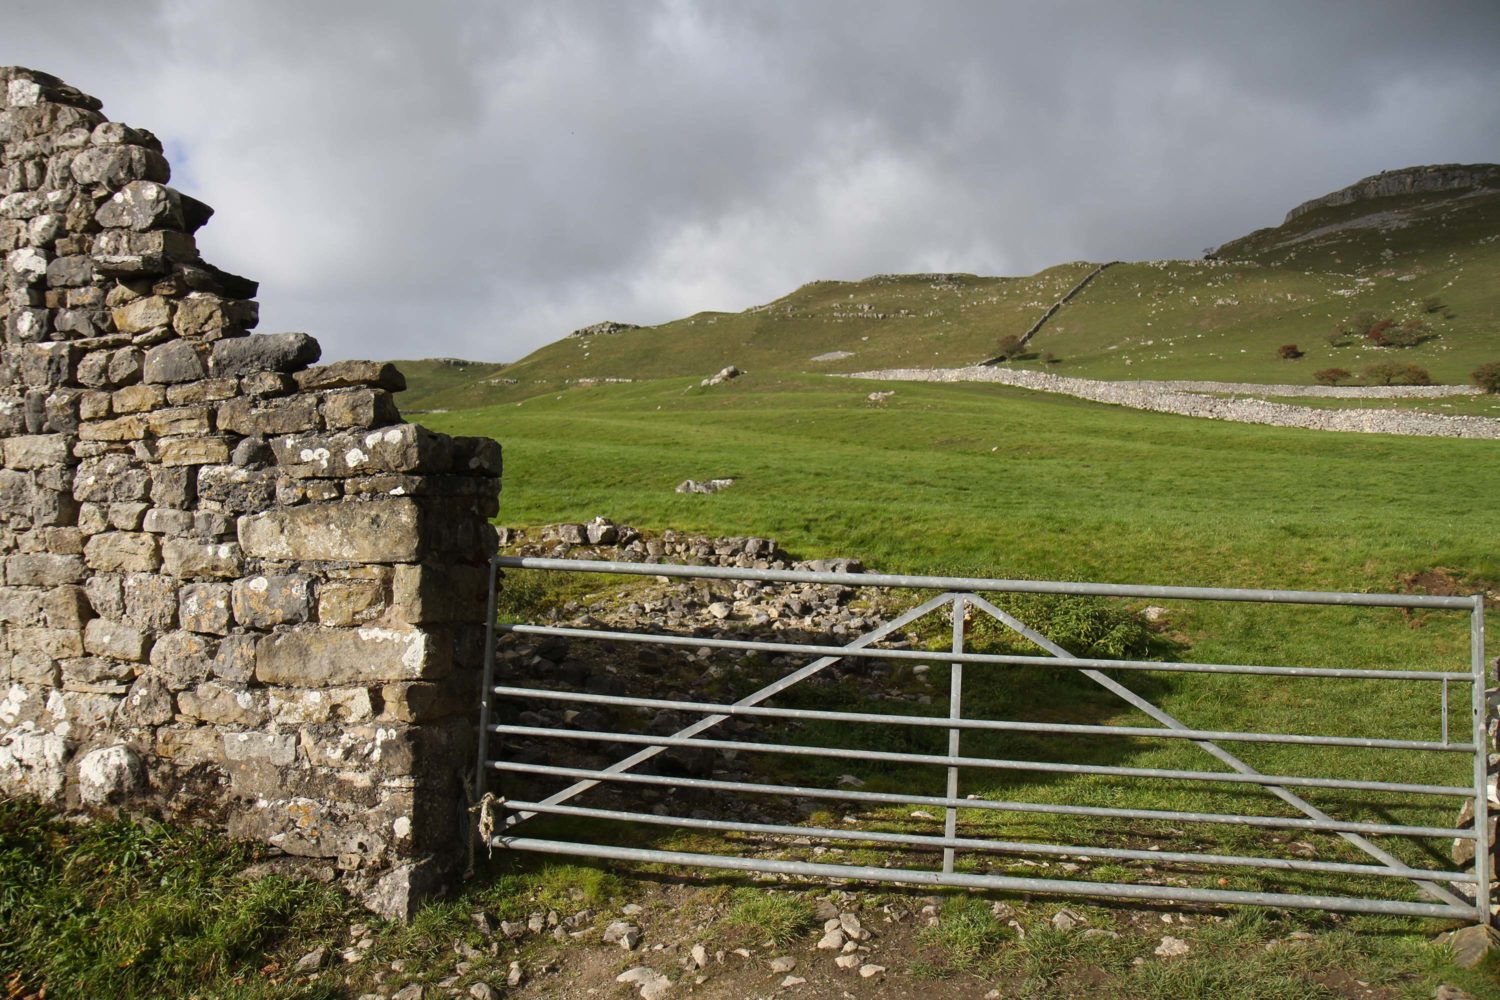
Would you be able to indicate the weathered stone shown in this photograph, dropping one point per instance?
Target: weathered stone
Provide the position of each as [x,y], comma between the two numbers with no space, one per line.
[116,166]
[110,477]
[127,515]
[283,415]
[358,408]
[33,763]
[222,705]
[234,489]
[182,659]
[279,749]
[116,640]
[235,659]
[174,361]
[206,316]
[192,451]
[325,657]
[204,607]
[128,428]
[148,702]
[123,551]
[52,643]
[422,701]
[208,390]
[137,398]
[150,600]
[180,420]
[97,675]
[141,205]
[37,451]
[189,560]
[296,707]
[351,374]
[401,448]
[40,569]
[142,315]
[264,601]
[351,602]
[440,592]
[281,352]
[168,521]
[369,532]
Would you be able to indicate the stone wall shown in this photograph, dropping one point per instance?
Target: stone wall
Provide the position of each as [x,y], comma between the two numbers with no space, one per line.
[235,588]
[1185,400]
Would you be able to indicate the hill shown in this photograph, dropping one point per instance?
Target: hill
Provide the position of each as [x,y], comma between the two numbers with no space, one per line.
[1416,245]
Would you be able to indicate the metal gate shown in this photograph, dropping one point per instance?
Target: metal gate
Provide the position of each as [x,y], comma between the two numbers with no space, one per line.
[1448,893]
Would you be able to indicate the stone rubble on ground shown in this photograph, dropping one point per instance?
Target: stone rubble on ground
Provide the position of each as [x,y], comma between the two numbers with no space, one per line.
[724,375]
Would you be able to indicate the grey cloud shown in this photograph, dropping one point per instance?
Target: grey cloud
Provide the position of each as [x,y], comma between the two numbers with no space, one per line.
[472,179]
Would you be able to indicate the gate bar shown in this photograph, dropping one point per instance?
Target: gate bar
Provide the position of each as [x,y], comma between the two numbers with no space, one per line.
[1050,767]
[981,585]
[1291,798]
[999,846]
[955,712]
[1325,825]
[1482,845]
[724,711]
[939,722]
[755,645]
[1039,885]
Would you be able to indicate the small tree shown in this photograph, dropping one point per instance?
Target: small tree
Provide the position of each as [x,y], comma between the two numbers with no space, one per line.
[1009,348]
[1332,376]
[1288,352]
[1391,372]
[1487,376]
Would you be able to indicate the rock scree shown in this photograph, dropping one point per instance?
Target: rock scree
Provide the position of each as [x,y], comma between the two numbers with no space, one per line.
[235,587]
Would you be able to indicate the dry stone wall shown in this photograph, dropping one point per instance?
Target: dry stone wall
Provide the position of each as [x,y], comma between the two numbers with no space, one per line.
[235,588]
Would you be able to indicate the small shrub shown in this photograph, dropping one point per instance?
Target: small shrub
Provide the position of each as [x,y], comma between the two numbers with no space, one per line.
[1487,376]
[1391,372]
[1009,348]
[1049,358]
[1338,337]
[1332,376]
[1288,352]
[1432,304]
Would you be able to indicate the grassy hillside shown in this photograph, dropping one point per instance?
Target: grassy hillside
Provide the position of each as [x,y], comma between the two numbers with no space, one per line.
[1432,257]
[441,383]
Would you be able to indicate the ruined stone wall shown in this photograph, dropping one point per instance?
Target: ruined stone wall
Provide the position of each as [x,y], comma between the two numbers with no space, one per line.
[235,587]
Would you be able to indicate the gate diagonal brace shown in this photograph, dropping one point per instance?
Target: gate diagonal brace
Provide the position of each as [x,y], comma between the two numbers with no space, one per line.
[708,722]
[1171,722]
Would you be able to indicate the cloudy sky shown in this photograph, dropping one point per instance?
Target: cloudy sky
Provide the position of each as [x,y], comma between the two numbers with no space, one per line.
[476,179]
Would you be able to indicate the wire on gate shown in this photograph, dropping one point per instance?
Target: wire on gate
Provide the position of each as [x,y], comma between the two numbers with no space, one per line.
[486,826]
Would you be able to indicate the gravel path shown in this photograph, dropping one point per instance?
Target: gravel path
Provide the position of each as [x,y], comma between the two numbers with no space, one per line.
[1188,399]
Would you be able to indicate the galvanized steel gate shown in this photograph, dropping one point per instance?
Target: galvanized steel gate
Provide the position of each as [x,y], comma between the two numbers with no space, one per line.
[1449,893]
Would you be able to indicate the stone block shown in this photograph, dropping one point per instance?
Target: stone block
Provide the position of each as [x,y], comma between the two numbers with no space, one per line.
[117,166]
[42,569]
[142,205]
[150,600]
[440,592]
[122,551]
[352,374]
[111,477]
[358,408]
[208,390]
[65,607]
[344,602]
[147,703]
[94,405]
[178,421]
[299,707]
[279,352]
[209,316]
[52,643]
[423,701]
[139,398]
[264,601]
[401,448]
[37,451]
[149,313]
[190,744]
[97,676]
[225,705]
[235,659]
[168,521]
[279,749]
[182,451]
[375,531]
[204,607]
[327,657]
[127,428]
[175,487]
[281,415]
[116,640]
[182,659]
[127,515]
[234,489]
[172,362]
[187,559]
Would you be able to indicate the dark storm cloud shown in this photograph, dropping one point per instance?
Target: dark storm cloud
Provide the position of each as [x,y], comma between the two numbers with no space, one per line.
[476,180]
